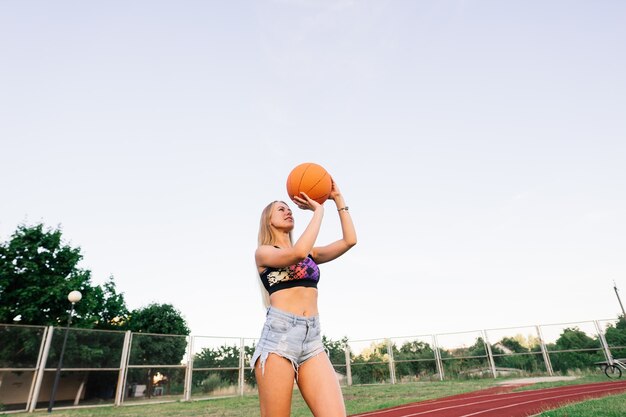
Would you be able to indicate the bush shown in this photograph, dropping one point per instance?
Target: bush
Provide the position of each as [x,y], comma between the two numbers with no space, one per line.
[212,382]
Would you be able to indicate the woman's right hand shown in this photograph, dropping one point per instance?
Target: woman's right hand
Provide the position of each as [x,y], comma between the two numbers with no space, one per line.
[306,203]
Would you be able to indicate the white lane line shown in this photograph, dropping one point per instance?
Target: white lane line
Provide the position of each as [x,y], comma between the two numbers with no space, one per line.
[425,403]
[538,400]
[492,397]
[492,400]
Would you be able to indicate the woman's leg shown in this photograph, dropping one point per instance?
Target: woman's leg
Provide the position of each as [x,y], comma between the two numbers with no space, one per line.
[320,388]
[275,386]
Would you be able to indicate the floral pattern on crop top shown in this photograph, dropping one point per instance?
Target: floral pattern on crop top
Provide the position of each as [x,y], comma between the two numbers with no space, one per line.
[305,273]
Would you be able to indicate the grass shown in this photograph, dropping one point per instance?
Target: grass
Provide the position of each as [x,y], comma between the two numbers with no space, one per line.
[611,406]
[586,379]
[358,399]
[375,397]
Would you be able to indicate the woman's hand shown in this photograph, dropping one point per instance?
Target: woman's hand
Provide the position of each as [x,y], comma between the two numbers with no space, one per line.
[332,251]
[334,191]
[306,203]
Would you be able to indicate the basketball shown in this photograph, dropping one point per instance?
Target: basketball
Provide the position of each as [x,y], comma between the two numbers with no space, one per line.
[312,179]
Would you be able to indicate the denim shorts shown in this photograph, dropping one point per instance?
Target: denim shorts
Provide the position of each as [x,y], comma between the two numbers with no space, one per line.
[296,338]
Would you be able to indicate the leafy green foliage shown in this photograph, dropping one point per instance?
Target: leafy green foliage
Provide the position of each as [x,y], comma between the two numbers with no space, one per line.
[38,271]
[19,346]
[212,382]
[154,348]
[415,359]
[336,351]
[575,350]
[513,355]
[150,345]
[215,359]
[224,356]
[372,365]
[513,345]
[616,338]
[158,318]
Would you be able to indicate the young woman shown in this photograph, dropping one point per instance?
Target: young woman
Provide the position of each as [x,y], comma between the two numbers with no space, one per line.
[291,346]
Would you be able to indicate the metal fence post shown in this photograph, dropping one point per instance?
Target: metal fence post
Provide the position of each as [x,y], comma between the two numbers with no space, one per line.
[39,358]
[242,364]
[490,360]
[121,377]
[605,345]
[392,365]
[189,372]
[346,350]
[46,340]
[130,349]
[544,352]
[438,361]
[33,386]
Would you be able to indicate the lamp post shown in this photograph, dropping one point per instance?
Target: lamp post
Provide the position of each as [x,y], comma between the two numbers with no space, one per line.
[73,297]
[619,300]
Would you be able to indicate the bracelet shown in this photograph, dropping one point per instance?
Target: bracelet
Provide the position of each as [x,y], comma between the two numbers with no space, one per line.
[343,208]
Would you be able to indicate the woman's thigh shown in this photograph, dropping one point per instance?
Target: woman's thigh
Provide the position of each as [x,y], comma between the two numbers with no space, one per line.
[275,385]
[320,388]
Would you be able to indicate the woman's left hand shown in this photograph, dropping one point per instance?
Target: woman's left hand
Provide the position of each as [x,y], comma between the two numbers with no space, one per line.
[334,191]
[305,202]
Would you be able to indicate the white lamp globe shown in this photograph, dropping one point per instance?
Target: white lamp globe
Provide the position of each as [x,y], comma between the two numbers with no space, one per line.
[74,297]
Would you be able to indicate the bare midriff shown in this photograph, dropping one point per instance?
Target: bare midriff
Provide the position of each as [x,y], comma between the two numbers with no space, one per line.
[301,301]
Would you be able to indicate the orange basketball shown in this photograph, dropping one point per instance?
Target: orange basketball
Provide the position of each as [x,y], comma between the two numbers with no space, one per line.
[310,178]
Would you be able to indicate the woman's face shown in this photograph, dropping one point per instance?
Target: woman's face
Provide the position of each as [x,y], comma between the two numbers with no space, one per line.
[282,217]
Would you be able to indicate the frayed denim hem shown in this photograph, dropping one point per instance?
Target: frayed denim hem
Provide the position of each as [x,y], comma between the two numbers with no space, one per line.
[263,357]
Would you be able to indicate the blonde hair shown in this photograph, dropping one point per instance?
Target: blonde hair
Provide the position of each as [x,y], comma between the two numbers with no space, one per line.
[266,233]
[267,237]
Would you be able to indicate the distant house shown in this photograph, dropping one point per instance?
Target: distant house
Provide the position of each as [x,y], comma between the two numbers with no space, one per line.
[503,348]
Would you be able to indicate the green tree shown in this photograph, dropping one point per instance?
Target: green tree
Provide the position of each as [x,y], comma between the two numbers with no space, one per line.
[467,361]
[520,357]
[37,272]
[19,346]
[616,338]
[575,350]
[478,358]
[372,365]
[224,356]
[336,352]
[151,345]
[513,345]
[416,359]
[109,311]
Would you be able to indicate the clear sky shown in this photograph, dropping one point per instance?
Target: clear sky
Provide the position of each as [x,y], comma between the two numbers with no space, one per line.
[480,146]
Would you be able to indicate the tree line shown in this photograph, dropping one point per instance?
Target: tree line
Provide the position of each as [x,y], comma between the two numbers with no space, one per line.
[37,272]
[573,351]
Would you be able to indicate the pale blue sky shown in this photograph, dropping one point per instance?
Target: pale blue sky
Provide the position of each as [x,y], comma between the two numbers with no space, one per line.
[480,146]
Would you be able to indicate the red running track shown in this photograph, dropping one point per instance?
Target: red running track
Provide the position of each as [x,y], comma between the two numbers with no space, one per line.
[501,402]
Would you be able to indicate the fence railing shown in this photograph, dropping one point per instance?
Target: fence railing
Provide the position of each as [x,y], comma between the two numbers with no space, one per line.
[117,368]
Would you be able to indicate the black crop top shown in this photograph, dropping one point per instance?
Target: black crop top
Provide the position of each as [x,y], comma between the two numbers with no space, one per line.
[303,274]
